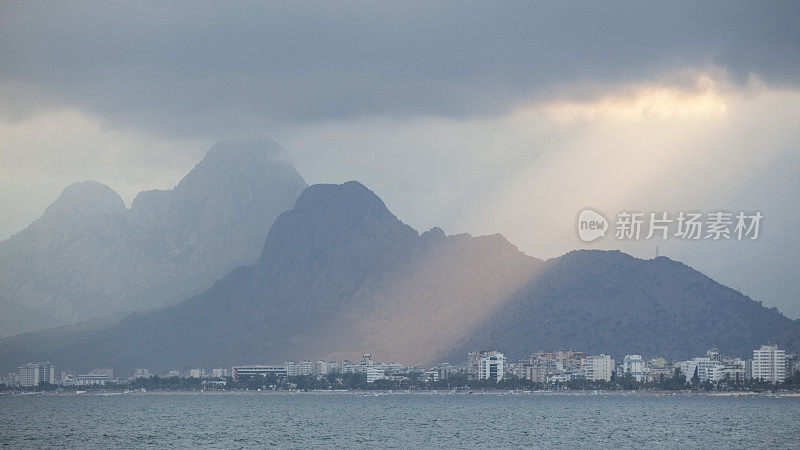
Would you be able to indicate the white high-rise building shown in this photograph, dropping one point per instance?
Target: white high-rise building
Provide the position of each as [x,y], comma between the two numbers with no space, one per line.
[634,365]
[304,367]
[598,367]
[492,366]
[769,363]
[31,374]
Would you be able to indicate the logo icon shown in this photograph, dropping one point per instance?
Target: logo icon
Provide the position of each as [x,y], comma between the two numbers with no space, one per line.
[591,225]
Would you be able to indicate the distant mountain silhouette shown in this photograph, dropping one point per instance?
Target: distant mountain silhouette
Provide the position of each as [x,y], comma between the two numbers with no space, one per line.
[340,275]
[89,256]
[610,302]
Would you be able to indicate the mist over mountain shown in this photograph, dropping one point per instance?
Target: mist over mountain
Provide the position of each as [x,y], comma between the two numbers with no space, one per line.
[89,256]
[340,275]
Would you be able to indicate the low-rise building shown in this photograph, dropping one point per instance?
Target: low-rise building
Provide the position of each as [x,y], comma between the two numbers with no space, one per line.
[566,375]
[261,370]
[705,368]
[90,379]
[11,380]
[429,376]
[142,373]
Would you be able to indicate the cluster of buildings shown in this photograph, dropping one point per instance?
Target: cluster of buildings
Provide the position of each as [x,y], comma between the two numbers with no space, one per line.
[33,374]
[374,370]
[769,363]
[540,367]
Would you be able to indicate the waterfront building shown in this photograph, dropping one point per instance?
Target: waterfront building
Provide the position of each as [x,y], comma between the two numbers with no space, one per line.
[219,373]
[444,370]
[492,366]
[634,365]
[349,367]
[705,368]
[429,376]
[32,374]
[107,372]
[142,373]
[374,373]
[473,361]
[598,367]
[11,380]
[769,364]
[323,368]
[262,370]
[736,373]
[565,375]
[90,379]
[658,363]
[397,367]
[568,360]
[292,368]
[534,372]
[304,368]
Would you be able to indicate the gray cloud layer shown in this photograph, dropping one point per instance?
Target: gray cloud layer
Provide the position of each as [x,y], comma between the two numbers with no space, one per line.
[476,116]
[193,68]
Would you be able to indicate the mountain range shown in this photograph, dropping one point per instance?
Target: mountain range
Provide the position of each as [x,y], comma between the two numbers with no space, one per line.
[89,256]
[339,275]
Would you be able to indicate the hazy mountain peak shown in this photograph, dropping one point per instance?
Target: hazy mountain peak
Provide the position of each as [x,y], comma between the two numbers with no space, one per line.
[87,198]
[433,233]
[237,178]
[335,214]
[351,193]
[89,256]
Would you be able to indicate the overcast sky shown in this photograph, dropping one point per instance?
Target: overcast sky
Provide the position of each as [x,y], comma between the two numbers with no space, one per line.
[472,116]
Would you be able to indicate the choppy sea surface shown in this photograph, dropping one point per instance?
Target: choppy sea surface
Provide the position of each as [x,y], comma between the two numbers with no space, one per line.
[396,420]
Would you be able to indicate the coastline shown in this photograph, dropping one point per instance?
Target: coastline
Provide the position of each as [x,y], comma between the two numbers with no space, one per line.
[378,393]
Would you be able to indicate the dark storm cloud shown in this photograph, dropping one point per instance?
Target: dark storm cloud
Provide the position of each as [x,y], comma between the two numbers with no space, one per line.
[195,68]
